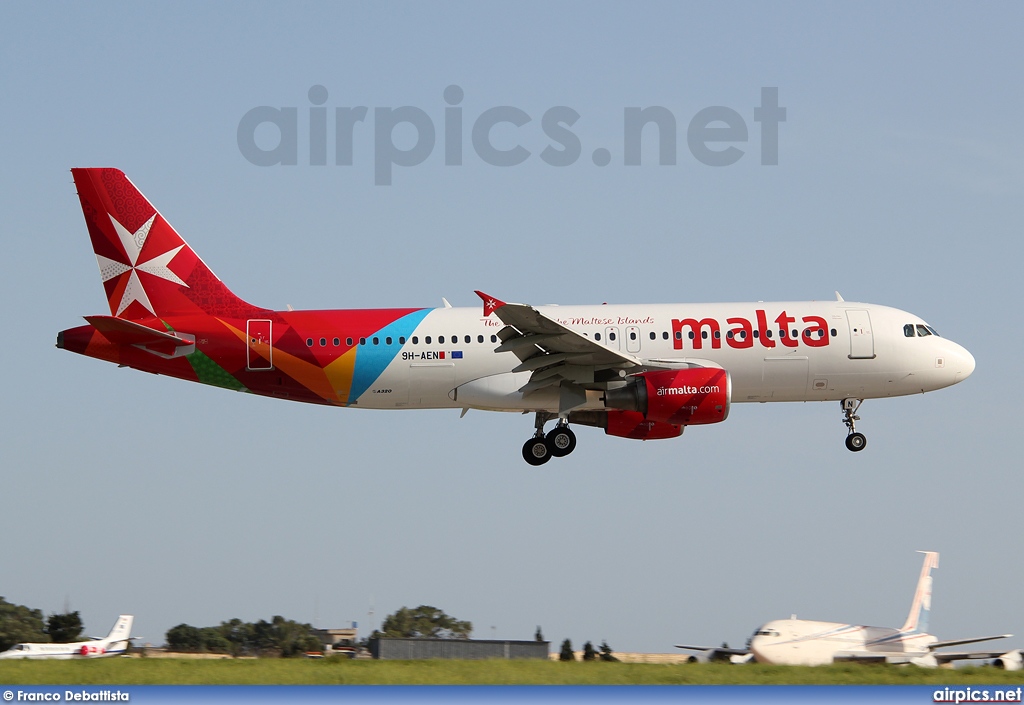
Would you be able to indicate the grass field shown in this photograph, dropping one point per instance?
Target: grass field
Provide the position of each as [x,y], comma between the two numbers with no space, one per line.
[139,671]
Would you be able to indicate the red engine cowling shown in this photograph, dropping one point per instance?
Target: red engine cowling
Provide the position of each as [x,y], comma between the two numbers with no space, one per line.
[632,424]
[698,395]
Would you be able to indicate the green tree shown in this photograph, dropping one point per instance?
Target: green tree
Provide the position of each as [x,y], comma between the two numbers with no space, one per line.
[64,628]
[424,622]
[606,652]
[183,637]
[588,652]
[18,624]
[566,653]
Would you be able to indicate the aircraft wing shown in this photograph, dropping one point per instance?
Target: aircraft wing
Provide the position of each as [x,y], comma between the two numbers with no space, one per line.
[947,656]
[973,640]
[718,653]
[537,334]
[556,355]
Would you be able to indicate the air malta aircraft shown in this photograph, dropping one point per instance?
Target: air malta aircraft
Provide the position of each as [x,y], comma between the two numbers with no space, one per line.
[637,371]
[802,642]
[113,644]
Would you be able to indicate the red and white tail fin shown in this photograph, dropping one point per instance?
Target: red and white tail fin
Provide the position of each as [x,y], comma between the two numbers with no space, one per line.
[148,270]
[917,620]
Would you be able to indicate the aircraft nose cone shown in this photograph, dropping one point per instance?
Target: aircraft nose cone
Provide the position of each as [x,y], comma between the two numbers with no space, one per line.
[964,365]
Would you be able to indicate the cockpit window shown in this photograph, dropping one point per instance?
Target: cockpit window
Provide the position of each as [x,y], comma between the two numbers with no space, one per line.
[908,330]
[766,632]
[934,332]
[922,330]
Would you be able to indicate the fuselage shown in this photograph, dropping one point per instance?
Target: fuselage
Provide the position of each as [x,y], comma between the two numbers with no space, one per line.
[801,642]
[81,649]
[445,357]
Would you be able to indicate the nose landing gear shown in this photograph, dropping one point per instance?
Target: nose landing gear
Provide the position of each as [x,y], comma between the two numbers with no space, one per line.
[557,443]
[854,441]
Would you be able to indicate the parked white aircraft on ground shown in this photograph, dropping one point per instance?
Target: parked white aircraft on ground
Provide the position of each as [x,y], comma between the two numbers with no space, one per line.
[802,642]
[113,644]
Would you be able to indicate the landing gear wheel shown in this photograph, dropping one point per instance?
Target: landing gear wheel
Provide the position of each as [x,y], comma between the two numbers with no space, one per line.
[856,442]
[536,451]
[561,440]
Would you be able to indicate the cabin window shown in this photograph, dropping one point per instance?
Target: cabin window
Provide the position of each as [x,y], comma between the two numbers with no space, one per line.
[834,334]
[597,336]
[376,340]
[323,342]
[479,339]
[362,341]
[494,339]
[388,340]
[654,336]
[337,342]
[401,340]
[611,336]
[348,342]
[427,340]
[440,340]
[632,335]
[309,342]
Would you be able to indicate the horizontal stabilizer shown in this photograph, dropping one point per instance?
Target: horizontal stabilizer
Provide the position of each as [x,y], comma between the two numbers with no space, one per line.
[122,332]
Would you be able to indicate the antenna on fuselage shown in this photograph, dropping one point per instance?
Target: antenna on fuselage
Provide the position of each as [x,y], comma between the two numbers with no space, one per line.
[839,297]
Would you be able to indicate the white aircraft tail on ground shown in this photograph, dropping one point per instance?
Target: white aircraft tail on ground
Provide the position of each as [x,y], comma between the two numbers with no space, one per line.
[113,644]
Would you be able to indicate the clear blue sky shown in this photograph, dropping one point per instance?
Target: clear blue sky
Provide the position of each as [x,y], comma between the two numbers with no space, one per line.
[899,182]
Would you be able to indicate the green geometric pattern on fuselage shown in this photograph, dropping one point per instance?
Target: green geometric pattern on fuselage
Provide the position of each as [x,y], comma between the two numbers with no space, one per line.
[209,372]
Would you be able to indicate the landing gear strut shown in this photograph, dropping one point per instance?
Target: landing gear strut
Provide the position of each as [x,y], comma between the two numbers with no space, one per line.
[559,441]
[854,441]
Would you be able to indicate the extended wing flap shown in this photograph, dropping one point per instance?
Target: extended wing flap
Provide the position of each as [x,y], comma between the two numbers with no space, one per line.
[122,332]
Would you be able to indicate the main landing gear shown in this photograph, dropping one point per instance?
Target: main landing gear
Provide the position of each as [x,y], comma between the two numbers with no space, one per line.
[854,441]
[558,442]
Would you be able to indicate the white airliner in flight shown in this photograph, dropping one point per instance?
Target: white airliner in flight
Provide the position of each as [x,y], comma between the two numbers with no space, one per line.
[113,644]
[641,371]
[802,642]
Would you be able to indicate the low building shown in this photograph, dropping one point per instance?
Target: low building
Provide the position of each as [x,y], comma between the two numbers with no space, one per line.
[337,640]
[470,649]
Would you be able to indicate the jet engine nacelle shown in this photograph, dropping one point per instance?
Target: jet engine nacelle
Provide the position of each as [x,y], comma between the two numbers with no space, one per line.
[696,395]
[1010,661]
[632,424]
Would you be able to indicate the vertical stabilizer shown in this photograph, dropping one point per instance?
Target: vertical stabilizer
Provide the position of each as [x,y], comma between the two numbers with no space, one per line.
[122,628]
[917,620]
[148,270]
